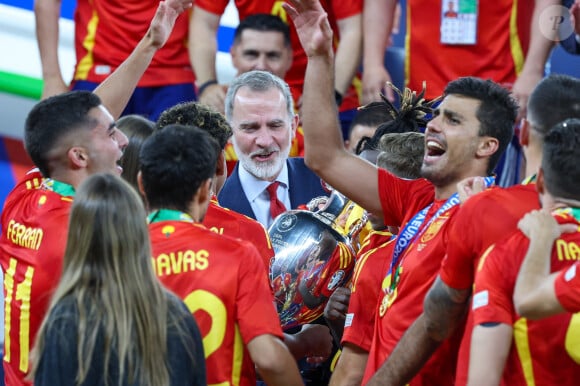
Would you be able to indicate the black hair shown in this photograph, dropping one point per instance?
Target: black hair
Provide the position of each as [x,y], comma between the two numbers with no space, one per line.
[561,160]
[555,98]
[496,112]
[264,22]
[198,115]
[410,117]
[54,118]
[174,163]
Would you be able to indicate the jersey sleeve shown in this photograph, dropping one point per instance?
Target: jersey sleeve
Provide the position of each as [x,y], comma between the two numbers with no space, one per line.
[495,281]
[214,6]
[567,288]
[256,310]
[457,267]
[261,240]
[346,8]
[399,196]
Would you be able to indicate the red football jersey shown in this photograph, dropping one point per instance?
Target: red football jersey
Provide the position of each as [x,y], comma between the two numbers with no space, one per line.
[419,264]
[543,352]
[502,38]
[230,223]
[481,221]
[370,270]
[106,32]
[567,288]
[337,10]
[34,232]
[222,282]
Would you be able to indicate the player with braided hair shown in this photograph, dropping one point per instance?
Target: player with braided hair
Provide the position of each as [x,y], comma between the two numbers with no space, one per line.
[398,147]
[412,116]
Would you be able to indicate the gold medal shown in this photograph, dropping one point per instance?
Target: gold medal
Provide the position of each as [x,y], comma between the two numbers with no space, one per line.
[388,299]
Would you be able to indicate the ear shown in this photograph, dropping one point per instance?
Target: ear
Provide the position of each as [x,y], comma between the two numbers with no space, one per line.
[290,56]
[203,194]
[294,124]
[234,55]
[140,183]
[220,169]
[524,136]
[78,157]
[487,146]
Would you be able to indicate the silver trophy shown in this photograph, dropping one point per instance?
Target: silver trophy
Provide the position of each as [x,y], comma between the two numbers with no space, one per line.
[314,256]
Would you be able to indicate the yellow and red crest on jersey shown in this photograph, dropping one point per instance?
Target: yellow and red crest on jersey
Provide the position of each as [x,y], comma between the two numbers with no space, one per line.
[433,229]
[167,230]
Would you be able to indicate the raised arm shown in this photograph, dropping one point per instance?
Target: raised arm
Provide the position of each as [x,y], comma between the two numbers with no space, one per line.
[534,294]
[47,14]
[324,147]
[116,90]
[348,52]
[203,30]
[572,42]
[378,17]
[538,52]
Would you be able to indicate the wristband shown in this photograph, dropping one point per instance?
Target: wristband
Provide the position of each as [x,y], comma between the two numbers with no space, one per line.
[337,98]
[205,85]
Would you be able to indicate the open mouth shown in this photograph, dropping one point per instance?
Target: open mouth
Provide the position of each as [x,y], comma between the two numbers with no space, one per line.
[434,149]
[263,156]
[119,167]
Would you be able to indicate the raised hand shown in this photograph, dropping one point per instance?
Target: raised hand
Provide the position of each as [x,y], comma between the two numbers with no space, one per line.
[312,26]
[469,187]
[575,16]
[540,223]
[337,304]
[164,20]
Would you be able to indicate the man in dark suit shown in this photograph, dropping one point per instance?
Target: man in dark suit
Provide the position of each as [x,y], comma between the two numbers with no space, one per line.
[260,109]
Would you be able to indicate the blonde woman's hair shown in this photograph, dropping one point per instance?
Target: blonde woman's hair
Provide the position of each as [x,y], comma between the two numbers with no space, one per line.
[108,273]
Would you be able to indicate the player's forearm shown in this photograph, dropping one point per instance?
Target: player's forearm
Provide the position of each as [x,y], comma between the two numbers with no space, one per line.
[540,46]
[348,52]
[350,368]
[273,361]
[203,44]
[295,346]
[444,309]
[47,14]
[377,28]
[533,271]
[408,357]
[336,328]
[116,90]
[319,112]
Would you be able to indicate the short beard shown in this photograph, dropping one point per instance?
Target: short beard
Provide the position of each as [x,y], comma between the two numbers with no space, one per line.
[438,178]
[263,170]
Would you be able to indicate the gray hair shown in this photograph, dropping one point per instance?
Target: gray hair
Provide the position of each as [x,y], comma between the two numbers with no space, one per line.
[260,81]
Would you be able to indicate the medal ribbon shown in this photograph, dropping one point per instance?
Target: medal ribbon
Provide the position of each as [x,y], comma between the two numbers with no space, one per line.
[168,215]
[572,212]
[61,188]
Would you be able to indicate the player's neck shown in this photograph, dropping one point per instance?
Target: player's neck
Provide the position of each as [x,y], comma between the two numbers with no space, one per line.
[444,192]
[533,162]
